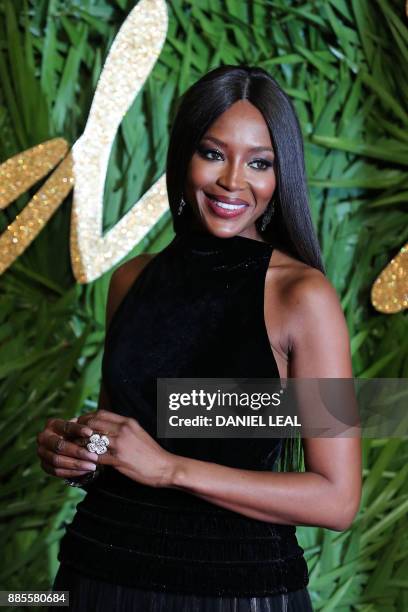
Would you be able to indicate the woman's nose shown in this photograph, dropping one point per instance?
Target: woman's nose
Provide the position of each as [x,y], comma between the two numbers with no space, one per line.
[232,177]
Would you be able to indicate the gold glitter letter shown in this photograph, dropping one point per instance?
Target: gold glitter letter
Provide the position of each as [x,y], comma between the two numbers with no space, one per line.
[17,175]
[389,293]
[131,58]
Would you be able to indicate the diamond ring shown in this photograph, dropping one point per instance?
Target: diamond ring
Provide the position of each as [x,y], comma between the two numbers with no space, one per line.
[98,444]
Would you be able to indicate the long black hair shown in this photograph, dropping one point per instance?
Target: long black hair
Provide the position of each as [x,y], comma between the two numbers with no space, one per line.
[291,227]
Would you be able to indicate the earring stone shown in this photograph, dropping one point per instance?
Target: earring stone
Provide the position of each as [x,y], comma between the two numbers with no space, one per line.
[181,206]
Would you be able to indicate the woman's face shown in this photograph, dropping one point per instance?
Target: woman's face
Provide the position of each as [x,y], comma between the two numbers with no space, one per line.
[234,163]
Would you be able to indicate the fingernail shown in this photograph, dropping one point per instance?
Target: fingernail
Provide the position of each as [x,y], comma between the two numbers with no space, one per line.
[86,431]
[92,456]
[90,466]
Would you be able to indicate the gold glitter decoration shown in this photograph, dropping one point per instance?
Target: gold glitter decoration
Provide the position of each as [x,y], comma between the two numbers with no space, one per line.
[22,171]
[389,293]
[17,175]
[130,60]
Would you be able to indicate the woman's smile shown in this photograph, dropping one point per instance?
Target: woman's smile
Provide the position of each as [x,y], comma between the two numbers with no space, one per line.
[221,207]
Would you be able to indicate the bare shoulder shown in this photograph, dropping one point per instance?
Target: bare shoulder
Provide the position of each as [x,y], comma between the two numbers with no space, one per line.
[127,272]
[301,300]
[122,279]
[300,287]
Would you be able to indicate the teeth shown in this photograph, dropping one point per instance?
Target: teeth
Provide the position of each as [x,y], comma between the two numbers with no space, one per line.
[229,206]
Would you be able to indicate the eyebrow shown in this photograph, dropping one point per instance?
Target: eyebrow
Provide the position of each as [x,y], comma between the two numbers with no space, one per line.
[220,142]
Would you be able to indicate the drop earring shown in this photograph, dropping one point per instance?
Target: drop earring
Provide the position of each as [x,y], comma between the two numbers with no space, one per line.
[267,216]
[181,206]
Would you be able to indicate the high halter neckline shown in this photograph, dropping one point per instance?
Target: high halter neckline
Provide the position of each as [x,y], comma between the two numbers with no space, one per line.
[218,253]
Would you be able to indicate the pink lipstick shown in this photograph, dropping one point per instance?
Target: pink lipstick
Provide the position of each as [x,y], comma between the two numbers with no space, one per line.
[225,207]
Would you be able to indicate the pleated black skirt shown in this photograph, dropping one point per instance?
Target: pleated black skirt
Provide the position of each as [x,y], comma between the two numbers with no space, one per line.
[89,594]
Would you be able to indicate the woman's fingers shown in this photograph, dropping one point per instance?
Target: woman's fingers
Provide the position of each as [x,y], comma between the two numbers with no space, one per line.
[70,429]
[66,463]
[106,415]
[59,455]
[59,446]
[101,426]
[62,449]
[62,472]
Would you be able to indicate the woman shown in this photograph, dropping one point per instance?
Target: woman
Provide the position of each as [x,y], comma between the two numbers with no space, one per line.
[208,524]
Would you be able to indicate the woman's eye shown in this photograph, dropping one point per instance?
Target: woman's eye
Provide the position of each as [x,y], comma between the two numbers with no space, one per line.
[206,152]
[265,164]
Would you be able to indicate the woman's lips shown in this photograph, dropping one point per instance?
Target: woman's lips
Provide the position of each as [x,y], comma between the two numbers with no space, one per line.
[226,211]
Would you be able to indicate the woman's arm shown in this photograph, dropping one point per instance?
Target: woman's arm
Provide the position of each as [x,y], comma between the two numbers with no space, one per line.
[328,493]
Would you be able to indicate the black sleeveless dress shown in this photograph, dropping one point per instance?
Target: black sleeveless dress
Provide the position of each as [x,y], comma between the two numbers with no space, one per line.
[196,310]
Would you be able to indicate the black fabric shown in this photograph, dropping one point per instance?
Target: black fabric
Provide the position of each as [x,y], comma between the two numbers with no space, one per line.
[92,595]
[196,310]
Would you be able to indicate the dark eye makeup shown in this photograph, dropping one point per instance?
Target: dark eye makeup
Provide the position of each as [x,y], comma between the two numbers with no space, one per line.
[206,151]
[266,163]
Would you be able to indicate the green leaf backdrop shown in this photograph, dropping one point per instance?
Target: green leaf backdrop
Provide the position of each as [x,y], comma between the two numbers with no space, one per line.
[345,65]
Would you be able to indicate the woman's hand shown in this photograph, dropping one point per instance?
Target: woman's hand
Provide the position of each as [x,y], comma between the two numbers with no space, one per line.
[131,451]
[60,455]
